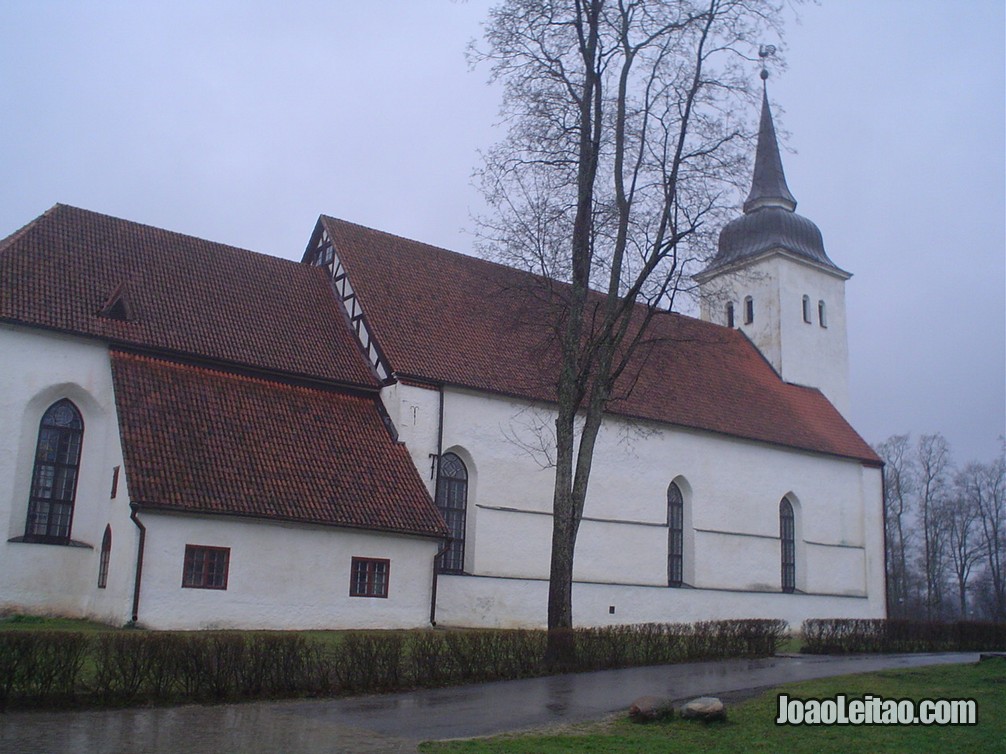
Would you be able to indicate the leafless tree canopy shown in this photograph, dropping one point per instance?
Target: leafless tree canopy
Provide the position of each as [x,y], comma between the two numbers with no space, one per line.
[663,89]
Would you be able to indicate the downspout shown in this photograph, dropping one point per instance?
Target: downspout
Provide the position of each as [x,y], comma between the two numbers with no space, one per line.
[433,592]
[139,561]
[436,490]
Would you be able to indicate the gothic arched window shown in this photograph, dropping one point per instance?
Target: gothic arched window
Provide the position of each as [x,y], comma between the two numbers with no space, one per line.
[730,314]
[54,477]
[452,500]
[748,310]
[787,536]
[106,553]
[675,536]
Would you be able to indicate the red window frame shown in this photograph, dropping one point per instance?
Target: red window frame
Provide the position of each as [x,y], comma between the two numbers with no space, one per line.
[206,567]
[369,577]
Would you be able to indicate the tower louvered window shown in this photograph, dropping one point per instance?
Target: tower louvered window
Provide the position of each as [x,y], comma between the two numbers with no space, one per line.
[54,477]
[452,500]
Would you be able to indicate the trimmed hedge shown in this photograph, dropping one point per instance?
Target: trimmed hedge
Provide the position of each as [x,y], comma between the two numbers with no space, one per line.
[847,636]
[59,668]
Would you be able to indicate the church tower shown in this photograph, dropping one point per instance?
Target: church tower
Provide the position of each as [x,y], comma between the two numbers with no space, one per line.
[772,279]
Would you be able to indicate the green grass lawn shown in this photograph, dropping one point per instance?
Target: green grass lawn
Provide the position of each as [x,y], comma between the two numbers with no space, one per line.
[37,623]
[751,725]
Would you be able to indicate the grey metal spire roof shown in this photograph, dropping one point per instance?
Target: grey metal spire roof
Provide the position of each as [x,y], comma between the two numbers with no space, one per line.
[768,186]
[770,221]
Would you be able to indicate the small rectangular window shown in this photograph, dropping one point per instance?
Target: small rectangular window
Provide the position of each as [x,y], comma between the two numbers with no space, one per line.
[115,482]
[748,310]
[369,577]
[205,567]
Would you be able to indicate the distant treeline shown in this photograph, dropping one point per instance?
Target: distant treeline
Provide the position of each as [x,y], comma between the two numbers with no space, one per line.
[946,532]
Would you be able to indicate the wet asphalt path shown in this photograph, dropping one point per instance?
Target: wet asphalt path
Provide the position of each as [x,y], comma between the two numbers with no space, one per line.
[398,722]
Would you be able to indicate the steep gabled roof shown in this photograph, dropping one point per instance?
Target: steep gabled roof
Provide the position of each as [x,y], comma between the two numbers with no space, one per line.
[89,274]
[197,440]
[448,318]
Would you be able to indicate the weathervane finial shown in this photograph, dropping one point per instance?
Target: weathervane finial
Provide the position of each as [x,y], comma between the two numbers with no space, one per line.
[764,52]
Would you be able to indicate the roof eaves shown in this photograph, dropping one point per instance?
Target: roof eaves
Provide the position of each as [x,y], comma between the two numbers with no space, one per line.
[180,511]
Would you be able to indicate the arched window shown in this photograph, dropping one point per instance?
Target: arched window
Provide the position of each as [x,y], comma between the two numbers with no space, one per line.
[787,536]
[452,500]
[822,317]
[54,478]
[748,310]
[806,309]
[730,314]
[675,536]
[106,552]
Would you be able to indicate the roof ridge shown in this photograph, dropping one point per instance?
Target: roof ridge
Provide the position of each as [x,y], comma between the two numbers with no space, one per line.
[167,231]
[461,254]
[471,258]
[223,370]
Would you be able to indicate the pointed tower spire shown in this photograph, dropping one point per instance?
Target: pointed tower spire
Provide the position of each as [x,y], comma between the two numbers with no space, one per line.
[770,222]
[768,186]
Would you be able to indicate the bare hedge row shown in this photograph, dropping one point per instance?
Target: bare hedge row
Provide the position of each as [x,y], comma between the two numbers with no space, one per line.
[847,636]
[40,668]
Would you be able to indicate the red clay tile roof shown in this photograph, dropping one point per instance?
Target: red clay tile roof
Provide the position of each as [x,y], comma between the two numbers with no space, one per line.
[454,319]
[198,440]
[184,295]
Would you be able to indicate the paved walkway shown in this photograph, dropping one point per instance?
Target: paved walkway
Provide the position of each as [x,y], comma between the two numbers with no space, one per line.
[397,722]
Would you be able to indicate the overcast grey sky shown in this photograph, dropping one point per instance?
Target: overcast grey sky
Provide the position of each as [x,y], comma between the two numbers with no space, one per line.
[241,122]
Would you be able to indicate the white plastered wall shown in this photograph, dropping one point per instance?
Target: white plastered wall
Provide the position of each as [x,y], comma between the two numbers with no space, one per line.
[804,353]
[415,412]
[733,489]
[38,368]
[281,576]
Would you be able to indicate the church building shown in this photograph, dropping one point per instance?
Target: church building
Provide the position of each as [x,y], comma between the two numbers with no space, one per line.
[199,436]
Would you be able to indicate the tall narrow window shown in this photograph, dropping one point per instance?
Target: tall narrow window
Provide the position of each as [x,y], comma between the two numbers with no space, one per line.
[106,553]
[452,500]
[748,310]
[54,477]
[115,482]
[787,535]
[806,309]
[675,536]
[730,314]
[822,315]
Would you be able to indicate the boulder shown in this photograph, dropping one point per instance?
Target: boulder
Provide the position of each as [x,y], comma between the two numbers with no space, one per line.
[648,708]
[706,708]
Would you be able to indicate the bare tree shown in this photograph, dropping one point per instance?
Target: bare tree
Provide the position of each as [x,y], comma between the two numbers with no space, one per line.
[625,138]
[959,515]
[899,485]
[986,484]
[932,456]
